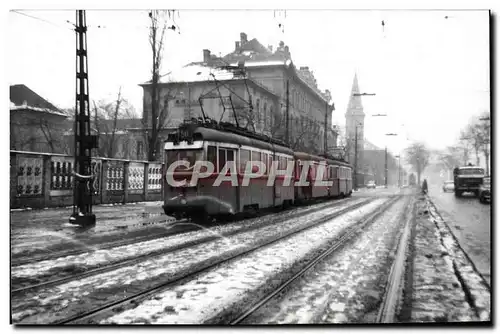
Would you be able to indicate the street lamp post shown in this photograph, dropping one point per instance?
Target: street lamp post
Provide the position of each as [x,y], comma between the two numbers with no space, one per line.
[356,143]
[386,169]
[356,155]
[399,170]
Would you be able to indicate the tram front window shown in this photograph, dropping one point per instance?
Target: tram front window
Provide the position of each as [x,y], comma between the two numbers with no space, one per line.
[190,156]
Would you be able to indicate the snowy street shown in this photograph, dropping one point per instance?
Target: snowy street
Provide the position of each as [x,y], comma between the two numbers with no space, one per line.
[214,274]
[470,221]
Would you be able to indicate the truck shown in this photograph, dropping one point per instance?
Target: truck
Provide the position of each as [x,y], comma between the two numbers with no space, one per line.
[467,179]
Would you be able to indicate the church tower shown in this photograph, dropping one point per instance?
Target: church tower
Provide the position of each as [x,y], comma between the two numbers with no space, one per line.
[355,116]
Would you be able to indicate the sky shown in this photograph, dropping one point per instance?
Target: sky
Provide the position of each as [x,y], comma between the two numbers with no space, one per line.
[430,73]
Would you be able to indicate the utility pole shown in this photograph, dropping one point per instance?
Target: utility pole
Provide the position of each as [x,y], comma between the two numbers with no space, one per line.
[84,141]
[287,121]
[386,166]
[326,129]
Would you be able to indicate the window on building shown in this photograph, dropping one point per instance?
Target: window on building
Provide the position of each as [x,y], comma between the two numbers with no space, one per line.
[257,110]
[265,116]
[140,150]
[271,116]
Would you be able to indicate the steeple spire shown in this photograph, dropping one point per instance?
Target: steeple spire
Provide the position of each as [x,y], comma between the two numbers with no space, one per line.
[355,107]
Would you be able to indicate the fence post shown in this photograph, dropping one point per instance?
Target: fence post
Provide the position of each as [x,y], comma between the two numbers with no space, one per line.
[146,177]
[13,178]
[104,186]
[126,165]
[47,179]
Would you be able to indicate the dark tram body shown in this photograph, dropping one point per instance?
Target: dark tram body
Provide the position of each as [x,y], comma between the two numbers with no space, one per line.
[224,191]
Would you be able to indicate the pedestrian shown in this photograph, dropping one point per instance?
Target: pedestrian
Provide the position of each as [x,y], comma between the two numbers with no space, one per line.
[424,187]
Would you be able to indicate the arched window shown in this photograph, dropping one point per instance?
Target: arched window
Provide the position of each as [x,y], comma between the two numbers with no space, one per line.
[271,116]
[257,110]
[265,116]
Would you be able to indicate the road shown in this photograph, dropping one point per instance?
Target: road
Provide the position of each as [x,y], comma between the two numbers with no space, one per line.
[271,269]
[471,223]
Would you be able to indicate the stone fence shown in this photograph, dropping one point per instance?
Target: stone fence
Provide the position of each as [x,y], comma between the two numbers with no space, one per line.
[40,180]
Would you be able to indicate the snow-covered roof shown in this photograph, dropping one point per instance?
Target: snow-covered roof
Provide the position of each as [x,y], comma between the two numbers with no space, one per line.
[23,98]
[196,73]
[271,62]
[13,107]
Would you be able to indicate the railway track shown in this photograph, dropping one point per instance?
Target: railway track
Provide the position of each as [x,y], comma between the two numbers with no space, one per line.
[98,269]
[345,238]
[23,260]
[393,295]
[93,315]
[108,245]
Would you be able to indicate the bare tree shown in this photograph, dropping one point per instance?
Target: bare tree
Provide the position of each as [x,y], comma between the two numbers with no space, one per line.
[107,115]
[158,115]
[451,157]
[418,156]
[464,146]
[485,138]
[344,140]
[473,135]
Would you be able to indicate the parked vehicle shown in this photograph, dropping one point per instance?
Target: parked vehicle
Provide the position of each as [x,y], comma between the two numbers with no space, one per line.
[467,179]
[371,185]
[448,186]
[485,191]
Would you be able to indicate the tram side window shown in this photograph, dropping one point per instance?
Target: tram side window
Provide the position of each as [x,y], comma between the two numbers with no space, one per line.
[255,156]
[264,161]
[212,155]
[230,158]
[244,158]
[222,158]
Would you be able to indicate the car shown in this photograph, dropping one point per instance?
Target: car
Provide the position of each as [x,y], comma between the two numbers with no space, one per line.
[485,191]
[371,185]
[448,186]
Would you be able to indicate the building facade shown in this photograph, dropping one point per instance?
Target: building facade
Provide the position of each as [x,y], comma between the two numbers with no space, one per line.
[259,97]
[309,109]
[35,124]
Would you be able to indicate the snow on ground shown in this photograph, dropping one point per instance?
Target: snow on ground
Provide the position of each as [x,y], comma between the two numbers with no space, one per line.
[437,293]
[238,282]
[471,278]
[147,272]
[102,256]
[471,222]
[346,285]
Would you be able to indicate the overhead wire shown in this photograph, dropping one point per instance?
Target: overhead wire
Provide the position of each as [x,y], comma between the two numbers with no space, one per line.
[41,19]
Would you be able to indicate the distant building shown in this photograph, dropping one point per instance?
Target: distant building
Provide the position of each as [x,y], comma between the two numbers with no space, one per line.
[35,123]
[355,123]
[259,97]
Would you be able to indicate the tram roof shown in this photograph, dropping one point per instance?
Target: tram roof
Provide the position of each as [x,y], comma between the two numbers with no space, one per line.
[307,156]
[232,138]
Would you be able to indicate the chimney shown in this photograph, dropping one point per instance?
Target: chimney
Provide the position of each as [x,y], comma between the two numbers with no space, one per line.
[243,38]
[270,47]
[287,51]
[206,55]
[237,45]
